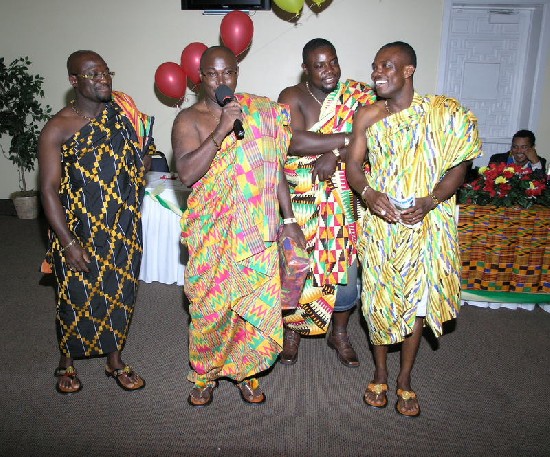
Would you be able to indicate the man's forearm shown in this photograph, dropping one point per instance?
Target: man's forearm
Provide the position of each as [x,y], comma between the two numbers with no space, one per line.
[306,143]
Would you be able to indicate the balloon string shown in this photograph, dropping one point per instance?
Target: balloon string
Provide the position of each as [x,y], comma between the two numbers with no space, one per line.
[297,15]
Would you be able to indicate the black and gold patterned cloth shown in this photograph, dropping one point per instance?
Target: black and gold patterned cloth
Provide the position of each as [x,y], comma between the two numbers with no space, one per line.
[102,188]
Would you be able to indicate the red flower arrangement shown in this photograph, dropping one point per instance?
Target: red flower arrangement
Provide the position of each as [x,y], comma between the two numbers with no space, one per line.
[502,184]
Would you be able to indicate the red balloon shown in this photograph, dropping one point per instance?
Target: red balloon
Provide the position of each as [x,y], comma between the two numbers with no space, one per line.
[171,80]
[191,60]
[236,31]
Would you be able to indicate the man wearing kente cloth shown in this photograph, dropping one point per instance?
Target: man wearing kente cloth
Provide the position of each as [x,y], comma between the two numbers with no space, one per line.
[418,147]
[93,155]
[326,208]
[231,226]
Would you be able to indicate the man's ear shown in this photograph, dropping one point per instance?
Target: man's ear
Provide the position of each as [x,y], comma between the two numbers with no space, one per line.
[304,69]
[409,71]
[73,80]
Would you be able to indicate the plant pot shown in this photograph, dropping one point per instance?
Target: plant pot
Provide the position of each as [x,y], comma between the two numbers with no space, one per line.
[26,206]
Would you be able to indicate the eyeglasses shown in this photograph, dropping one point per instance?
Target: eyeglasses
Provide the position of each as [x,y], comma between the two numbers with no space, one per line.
[97,76]
[225,74]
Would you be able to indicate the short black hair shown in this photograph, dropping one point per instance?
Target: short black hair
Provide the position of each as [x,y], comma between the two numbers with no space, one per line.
[75,56]
[314,44]
[406,48]
[525,134]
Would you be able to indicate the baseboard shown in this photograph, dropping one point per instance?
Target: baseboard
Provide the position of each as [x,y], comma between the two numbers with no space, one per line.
[6,207]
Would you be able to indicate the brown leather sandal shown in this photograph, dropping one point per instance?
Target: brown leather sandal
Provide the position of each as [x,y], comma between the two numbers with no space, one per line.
[69,372]
[124,381]
[403,396]
[200,397]
[379,390]
[250,395]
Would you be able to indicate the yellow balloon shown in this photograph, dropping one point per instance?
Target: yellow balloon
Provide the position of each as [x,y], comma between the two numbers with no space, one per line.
[290,6]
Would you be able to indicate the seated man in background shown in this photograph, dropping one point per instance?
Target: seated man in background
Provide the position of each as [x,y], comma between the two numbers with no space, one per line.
[522,152]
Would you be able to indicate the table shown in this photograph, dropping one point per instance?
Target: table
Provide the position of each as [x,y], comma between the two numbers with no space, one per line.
[505,256]
[164,257]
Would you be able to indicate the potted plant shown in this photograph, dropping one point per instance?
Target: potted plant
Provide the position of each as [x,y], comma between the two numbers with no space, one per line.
[21,118]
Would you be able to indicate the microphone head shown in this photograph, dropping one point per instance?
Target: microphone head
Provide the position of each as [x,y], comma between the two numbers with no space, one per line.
[224,94]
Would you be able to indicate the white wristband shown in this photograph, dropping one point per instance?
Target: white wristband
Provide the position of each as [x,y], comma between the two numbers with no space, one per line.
[289,220]
[336,152]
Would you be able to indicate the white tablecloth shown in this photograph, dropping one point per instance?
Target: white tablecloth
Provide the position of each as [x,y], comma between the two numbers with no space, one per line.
[495,305]
[164,257]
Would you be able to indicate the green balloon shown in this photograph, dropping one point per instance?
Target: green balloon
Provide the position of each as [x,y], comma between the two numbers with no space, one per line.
[290,6]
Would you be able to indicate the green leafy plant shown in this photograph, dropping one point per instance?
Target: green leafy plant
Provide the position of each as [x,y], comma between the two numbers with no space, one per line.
[21,114]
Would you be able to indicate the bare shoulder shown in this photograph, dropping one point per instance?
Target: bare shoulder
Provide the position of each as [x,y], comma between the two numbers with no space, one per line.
[64,124]
[186,114]
[292,94]
[187,132]
[367,115]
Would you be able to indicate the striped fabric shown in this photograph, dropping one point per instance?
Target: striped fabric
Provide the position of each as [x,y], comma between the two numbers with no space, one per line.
[405,268]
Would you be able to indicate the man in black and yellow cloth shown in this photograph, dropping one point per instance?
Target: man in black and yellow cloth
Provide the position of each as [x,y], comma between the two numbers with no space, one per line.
[93,155]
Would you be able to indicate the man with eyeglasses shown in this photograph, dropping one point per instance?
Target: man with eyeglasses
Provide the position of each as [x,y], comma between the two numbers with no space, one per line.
[522,152]
[231,227]
[93,155]
[322,109]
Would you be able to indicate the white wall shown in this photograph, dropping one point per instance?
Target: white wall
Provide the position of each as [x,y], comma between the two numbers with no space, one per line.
[136,36]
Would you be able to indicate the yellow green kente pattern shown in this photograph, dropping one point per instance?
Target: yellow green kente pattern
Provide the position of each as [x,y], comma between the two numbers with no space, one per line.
[409,153]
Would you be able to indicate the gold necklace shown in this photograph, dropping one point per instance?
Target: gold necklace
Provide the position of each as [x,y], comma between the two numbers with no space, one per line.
[217,119]
[314,97]
[78,113]
[387,107]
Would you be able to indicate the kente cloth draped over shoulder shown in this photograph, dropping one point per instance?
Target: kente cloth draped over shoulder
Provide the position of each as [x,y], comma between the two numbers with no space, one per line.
[230,227]
[327,212]
[101,190]
[407,268]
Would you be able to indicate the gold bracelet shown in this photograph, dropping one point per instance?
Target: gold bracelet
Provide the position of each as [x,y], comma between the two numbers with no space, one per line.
[436,200]
[214,141]
[73,241]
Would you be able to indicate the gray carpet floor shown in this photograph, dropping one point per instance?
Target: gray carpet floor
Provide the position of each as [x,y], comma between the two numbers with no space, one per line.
[483,387]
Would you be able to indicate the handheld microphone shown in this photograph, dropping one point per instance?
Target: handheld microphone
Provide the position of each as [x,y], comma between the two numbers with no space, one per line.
[224,95]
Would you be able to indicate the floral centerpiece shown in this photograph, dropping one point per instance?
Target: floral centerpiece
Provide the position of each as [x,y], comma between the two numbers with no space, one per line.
[502,184]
